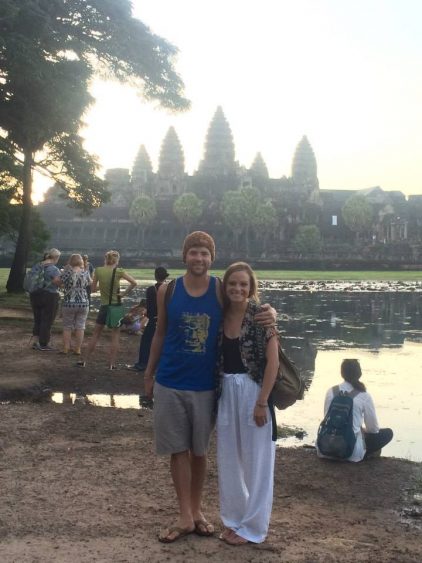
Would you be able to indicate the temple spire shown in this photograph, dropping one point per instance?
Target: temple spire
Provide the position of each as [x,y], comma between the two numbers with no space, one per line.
[259,168]
[172,160]
[219,147]
[304,166]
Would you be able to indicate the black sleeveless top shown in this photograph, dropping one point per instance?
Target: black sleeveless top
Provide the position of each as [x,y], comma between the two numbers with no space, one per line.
[232,360]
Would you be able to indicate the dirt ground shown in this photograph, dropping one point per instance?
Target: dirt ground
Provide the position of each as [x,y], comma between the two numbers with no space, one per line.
[82,484]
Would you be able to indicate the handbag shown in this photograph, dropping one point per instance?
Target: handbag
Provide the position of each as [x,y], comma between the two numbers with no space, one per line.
[289,386]
[115,312]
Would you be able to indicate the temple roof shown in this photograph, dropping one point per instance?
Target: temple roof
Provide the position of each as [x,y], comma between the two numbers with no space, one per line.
[258,167]
[304,166]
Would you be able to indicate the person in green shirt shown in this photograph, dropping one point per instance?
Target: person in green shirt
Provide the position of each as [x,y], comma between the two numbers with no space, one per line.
[102,280]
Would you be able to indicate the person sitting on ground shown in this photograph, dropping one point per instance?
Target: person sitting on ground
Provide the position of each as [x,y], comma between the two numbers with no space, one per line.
[75,306]
[371,439]
[135,319]
[103,277]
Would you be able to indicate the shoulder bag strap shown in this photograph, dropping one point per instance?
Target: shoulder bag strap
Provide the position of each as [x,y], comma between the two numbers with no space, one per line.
[113,275]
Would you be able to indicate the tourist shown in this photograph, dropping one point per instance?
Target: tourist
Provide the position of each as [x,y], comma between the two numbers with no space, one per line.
[245,445]
[45,301]
[160,275]
[75,307]
[185,345]
[371,439]
[90,269]
[110,295]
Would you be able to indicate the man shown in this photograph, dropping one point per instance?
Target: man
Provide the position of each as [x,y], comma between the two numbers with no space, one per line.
[185,345]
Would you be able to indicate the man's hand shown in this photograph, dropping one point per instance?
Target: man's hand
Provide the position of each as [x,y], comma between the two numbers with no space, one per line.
[267,316]
[148,385]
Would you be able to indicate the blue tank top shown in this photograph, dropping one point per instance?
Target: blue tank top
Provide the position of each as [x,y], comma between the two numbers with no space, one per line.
[189,355]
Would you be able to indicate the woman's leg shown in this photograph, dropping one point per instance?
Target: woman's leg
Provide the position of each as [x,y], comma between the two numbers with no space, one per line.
[92,343]
[80,321]
[114,348]
[36,308]
[374,442]
[232,491]
[258,456]
[49,308]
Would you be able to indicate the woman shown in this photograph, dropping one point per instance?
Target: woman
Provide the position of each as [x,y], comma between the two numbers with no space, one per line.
[75,306]
[372,439]
[45,301]
[103,278]
[245,449]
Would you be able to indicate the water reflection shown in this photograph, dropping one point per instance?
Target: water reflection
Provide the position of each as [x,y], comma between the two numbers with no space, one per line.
[382,330]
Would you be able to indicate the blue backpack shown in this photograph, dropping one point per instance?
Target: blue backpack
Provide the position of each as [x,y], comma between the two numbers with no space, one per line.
[35,278]
[336,437]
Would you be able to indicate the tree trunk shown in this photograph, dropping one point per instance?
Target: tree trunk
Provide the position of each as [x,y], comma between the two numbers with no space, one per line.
[17,271]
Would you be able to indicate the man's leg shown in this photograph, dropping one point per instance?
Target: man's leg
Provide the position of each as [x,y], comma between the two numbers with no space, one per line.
[180,465]
[198,476]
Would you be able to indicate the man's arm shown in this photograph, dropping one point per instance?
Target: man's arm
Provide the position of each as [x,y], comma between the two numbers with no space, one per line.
[267,316]
[157,341]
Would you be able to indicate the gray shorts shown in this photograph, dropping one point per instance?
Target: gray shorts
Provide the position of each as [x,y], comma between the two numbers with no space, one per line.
[74,317]
[183,420]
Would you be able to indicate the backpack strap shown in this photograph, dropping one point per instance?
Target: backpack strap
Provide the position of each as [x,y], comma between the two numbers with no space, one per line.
[113,275]
[169,292]
[336,390]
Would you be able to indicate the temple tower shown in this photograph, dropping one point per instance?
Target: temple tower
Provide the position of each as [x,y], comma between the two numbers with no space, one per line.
[171,177]
[304,167]
[141,172]
[219,148]
[259,168]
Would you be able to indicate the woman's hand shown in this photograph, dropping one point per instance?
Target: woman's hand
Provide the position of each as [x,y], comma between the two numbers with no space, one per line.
[260,415]
[148,385]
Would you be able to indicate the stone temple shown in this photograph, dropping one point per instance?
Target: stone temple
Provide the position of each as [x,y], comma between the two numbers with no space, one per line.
[295,200]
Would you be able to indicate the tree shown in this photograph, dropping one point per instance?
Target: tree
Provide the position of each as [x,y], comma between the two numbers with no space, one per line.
[49,52]
[308,240]
[264,221]
[357,214]
[143,212]
[188,209]
[233,210]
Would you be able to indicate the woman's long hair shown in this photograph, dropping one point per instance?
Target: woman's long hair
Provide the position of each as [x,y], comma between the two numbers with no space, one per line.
[351,372]
[240,267]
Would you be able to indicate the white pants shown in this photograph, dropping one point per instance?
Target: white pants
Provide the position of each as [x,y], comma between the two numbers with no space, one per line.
[245,455]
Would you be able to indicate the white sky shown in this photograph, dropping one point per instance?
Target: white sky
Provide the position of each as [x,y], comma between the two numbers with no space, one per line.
[346,74]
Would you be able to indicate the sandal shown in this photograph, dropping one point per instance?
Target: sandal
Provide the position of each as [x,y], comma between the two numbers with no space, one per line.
[202,528]
[81,364]
[167,535]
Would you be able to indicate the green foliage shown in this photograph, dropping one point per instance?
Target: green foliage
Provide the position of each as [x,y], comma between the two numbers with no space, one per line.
[264,219]
[188,209]
[143,212]
[357,214]
[49,52]
[308,240]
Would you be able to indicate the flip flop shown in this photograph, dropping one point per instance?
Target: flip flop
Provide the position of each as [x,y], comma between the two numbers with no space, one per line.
[201,528]
[180,533]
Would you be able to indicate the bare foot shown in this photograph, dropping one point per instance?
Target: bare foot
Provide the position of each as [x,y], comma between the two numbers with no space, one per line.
[174,533]
[234,539]
[226,533]
[202,526]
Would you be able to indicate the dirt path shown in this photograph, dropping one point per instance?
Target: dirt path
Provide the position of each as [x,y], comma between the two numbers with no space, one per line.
[82,484]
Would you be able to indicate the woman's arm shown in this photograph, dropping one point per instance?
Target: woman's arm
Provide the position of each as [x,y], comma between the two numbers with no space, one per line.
[132,283]
[94,284]
[270,374]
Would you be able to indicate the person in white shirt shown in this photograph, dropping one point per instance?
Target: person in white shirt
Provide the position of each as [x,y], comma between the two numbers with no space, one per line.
[371,438]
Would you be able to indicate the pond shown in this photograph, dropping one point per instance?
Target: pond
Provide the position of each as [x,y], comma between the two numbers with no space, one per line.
[321,324]
[383,329]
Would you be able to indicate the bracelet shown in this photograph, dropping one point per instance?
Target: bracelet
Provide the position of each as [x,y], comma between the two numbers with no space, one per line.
[262,405]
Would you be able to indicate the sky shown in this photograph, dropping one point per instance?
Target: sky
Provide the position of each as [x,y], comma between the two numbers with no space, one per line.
[348,75]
